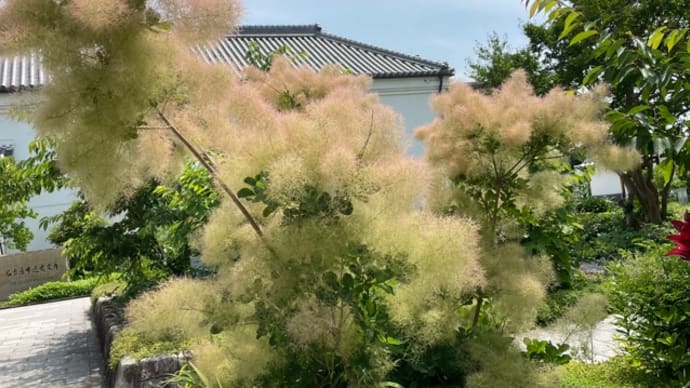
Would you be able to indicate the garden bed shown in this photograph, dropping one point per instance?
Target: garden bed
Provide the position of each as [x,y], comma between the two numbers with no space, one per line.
[108,316]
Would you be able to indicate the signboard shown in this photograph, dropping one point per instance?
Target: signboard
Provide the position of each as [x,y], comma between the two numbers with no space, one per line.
[21,271]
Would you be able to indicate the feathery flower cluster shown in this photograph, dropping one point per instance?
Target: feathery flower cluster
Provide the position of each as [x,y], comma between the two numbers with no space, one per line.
[113,64]
[511,121]
[513,137]
[98,15]
[321,130]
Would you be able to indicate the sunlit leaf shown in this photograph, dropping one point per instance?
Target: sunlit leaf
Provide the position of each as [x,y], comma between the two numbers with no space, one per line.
[582,36]
[656,38]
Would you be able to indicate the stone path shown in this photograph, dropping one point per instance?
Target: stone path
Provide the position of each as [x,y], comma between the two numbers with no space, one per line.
[603,344]
[49,345]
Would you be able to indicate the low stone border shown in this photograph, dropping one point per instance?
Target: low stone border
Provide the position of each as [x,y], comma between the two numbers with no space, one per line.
[108,317]
[149,372]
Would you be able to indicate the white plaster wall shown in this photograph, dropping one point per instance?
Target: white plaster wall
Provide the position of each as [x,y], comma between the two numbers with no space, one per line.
[605,183]
[46,204]
[410,97]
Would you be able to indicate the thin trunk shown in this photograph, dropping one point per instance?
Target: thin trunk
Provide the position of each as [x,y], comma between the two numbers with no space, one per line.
[477,310]
[214,173]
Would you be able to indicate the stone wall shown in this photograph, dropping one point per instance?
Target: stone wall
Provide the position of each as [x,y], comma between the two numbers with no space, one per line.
[146,373]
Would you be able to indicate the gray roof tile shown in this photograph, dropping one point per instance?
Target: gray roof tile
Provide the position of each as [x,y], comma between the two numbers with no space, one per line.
[20,72]
[320,49]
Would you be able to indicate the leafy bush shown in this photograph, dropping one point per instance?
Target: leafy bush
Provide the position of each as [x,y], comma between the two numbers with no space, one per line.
[614,373]
[605,236]
[546,351]
[559,300]
[115,288]
[592,204]
[148,241]
[651,292]
[556,304]
[19,181]
[52,290]
[165,321]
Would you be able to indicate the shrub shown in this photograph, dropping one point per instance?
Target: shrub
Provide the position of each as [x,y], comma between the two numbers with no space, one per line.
[114,288]
[163,321]
[614,373]
[147,236]
[559,300]
[52,290]
[592,204]
[605,236]
[651,292]
[546,351]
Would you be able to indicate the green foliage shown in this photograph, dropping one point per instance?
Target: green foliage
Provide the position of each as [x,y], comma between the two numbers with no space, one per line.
[52,290]
[605,236]
[614,373]
[312,203]
[114,288]
[138,347]
[19,181]
[591,204]
[358,286]
[148,239]
[651,293]
[446,364]
[639,53]
[262,61]
[495,63]
[545,351]
[558,301]
[553,234]
[189,376]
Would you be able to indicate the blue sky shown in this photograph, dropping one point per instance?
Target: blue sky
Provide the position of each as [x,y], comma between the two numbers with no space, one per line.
[440,30]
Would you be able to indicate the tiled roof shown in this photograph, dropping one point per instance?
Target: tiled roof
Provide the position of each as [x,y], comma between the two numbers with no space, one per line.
[20,72]
[320,49]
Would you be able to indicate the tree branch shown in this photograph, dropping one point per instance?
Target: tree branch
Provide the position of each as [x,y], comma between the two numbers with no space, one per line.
[214,173]
[360,155]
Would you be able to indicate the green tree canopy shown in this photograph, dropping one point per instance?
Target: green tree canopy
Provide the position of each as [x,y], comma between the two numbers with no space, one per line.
[20,180]
[638,48]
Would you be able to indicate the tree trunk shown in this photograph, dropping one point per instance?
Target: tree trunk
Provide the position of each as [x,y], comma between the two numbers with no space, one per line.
[640,184]
[665,191]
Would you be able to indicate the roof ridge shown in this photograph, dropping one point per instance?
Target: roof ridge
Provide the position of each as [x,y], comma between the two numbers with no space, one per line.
[271,29]
[381,50]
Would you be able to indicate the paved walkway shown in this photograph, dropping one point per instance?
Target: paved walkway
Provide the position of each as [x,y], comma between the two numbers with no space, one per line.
[599,347]
[49,345]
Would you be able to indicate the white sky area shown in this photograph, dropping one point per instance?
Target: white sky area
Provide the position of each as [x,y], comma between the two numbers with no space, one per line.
[438,30]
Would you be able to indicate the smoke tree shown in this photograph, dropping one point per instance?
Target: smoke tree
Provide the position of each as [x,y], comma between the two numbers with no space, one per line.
[500,157]
[504,149]
[327,271]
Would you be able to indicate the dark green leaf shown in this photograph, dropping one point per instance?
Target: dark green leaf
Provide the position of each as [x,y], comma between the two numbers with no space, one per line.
[245,193]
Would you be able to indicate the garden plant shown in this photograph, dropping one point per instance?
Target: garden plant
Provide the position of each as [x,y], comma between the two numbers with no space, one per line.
[338,260]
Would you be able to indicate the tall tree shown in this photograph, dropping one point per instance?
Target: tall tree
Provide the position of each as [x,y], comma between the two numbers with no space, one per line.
[329,274]
[637,47]
[495,62]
